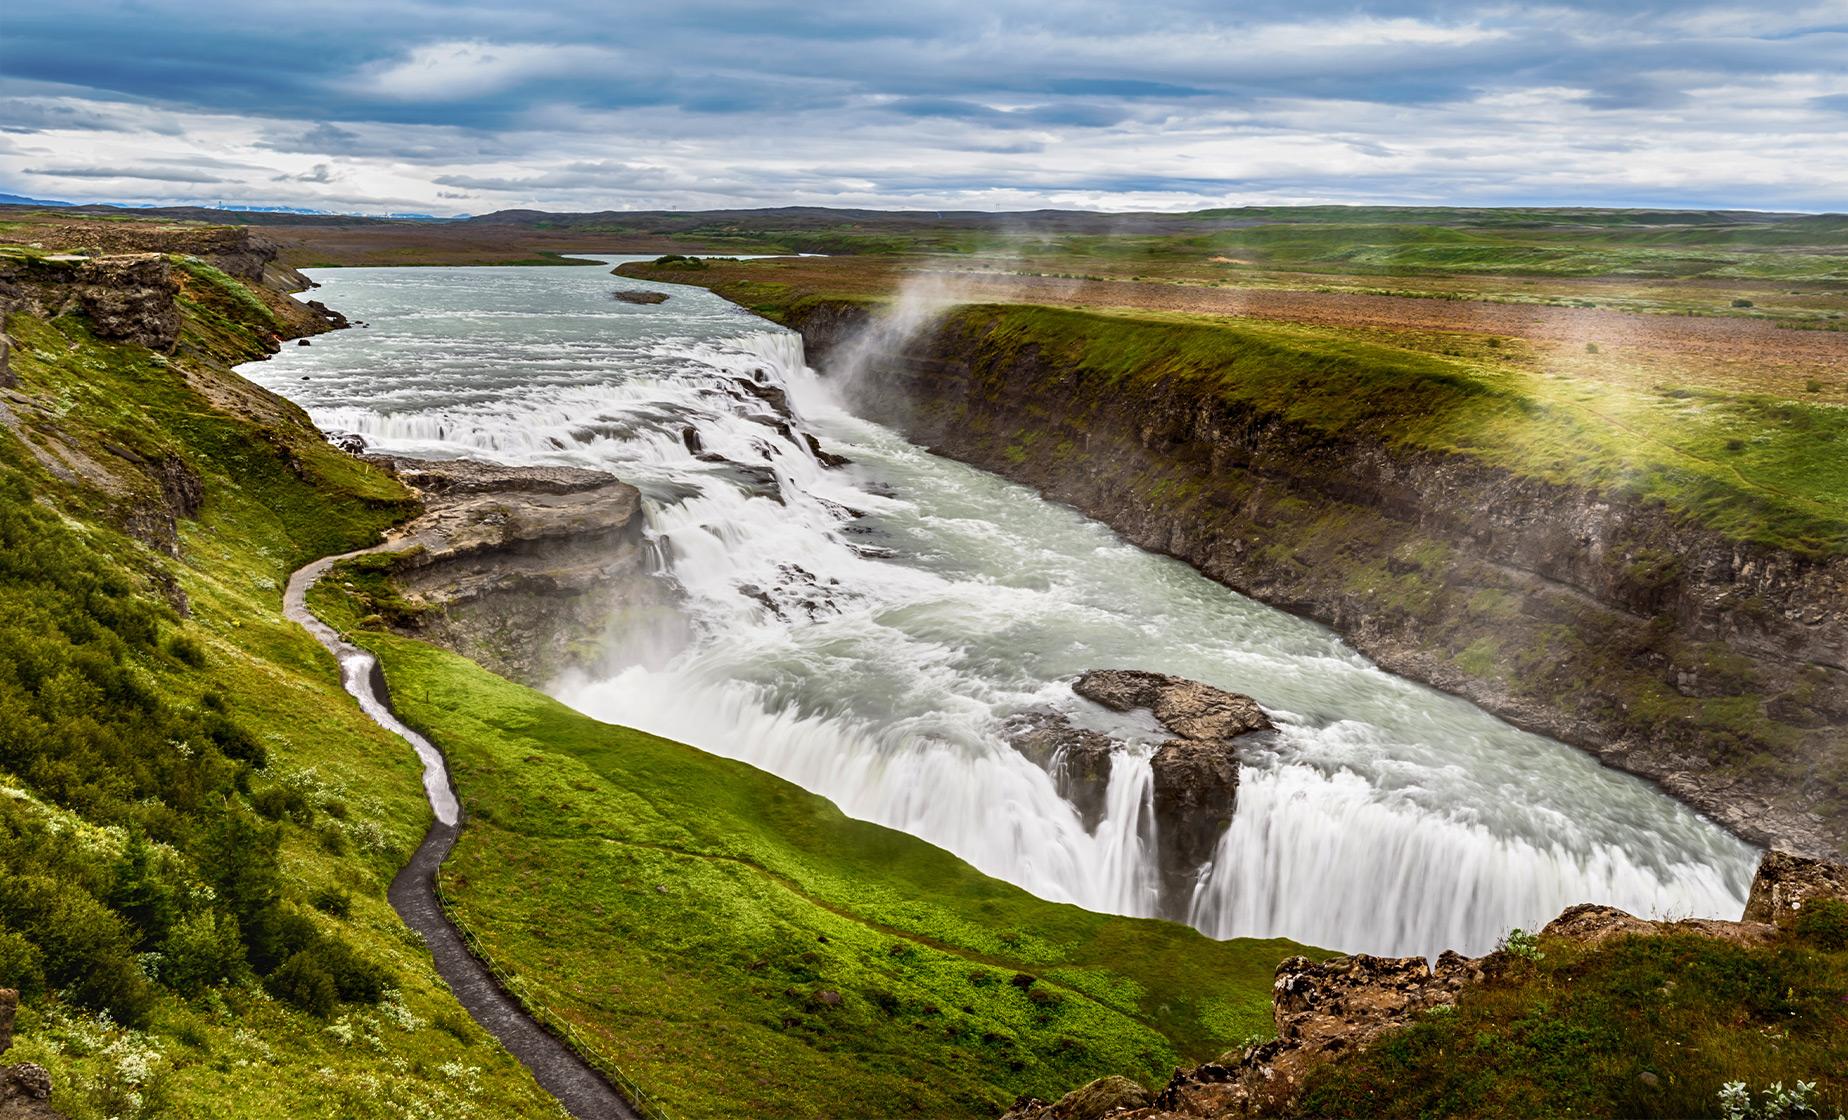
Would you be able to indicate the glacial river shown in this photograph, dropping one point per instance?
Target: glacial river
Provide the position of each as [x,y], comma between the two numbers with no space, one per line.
[865,631]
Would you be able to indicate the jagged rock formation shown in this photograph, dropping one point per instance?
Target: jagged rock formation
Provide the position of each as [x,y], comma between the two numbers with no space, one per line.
[127,297]
[1785,882]
[520,568]
[1660,607]
[1324,1011]
[1107,1096]
[1195,773]
[25,1088]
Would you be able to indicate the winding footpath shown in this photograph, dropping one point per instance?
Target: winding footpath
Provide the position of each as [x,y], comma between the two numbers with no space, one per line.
[560,1070]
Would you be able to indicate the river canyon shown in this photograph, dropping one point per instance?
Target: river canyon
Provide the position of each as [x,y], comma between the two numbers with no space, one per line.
[862,617]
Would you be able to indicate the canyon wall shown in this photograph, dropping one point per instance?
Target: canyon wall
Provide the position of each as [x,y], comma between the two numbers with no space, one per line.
[1715,667]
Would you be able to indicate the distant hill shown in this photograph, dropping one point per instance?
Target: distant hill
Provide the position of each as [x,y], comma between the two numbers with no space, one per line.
[22,200]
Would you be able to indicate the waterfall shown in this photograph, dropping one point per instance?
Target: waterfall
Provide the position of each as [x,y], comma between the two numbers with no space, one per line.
[866,631]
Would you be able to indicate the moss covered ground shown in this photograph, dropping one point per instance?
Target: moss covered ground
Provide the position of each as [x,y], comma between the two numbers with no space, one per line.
[197,826]
[740,947]
[1755,468]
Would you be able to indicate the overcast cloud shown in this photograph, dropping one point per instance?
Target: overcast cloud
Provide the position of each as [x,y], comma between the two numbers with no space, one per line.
[395,105]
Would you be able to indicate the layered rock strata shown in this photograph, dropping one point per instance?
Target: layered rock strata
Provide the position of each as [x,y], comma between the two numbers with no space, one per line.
[524,569]
[1716,667]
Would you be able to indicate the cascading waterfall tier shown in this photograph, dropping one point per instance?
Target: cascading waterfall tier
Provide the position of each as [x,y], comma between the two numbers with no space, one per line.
[867,631]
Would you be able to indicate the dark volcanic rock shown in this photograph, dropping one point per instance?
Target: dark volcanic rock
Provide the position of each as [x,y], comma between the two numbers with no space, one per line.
[1196,773]
[825,458]
[769,394]
[131,299]
[1077,759]
[1196,790]
[333,318]
[638,295]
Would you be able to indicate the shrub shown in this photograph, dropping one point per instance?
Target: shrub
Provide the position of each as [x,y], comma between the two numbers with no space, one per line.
[1823,922]
[204,949]
[356,980]
[1775,1103]
[186,649]
[1523,946]
[304,982]
[336,903]
[1742,303]
[21,965]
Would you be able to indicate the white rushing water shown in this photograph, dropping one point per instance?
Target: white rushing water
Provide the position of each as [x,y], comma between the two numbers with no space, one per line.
[864,632]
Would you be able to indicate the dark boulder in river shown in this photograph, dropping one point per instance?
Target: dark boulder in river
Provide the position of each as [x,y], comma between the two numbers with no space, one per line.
[1195,774]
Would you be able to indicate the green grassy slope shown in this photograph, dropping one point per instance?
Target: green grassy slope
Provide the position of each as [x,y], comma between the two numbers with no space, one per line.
[1639,1026]
[740,947]
[188,802]
[1756,469]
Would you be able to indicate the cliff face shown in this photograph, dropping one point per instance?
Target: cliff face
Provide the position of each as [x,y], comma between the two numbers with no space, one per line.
[522,569]
[1716,667]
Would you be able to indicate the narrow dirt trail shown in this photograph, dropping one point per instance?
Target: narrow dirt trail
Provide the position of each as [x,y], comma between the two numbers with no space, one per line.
[583,1092]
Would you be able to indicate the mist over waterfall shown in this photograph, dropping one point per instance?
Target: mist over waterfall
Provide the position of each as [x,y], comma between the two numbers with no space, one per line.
[866,630]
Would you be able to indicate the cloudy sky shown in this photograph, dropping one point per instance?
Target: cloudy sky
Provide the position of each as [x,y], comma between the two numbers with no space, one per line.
[473,106]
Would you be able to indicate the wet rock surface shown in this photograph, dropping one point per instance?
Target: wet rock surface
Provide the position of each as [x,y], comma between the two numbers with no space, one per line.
[1195,773]
[1077,759]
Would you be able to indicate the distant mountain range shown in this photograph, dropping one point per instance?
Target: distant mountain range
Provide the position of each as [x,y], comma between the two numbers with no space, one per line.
[21,200]
[226,207]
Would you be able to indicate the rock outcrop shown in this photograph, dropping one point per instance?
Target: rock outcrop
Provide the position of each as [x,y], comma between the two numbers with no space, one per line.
[1107,1096]
[1324,1011]
[1785,882]
[25,1088]
[521,568]
[1188,708]
[639,295]
[126,297]
[1195,773]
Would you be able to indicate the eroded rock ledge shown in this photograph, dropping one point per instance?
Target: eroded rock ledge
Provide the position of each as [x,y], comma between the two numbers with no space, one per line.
[1195,773]
[520,568]
[1324,1011]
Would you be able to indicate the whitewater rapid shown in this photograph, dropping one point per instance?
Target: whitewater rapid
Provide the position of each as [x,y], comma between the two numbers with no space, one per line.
[865,631]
